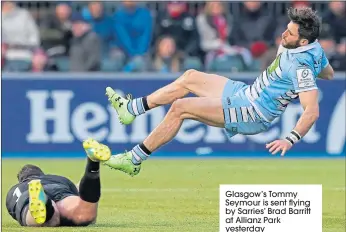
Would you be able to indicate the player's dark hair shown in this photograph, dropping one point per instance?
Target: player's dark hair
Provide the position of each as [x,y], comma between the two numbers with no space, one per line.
[28,171]
[308,21]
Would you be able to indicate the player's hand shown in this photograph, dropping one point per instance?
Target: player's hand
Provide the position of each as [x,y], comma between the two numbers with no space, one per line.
[279,145]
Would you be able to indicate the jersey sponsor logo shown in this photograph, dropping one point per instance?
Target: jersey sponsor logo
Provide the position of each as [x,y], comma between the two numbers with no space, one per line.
[305,78]
[317,63]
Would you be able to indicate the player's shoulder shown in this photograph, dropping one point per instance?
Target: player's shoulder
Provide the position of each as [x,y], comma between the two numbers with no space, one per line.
[300,55]
[306,56]
[53,177]
[59,180]
[12,189]
[21,186]
[50,176]
[300,61]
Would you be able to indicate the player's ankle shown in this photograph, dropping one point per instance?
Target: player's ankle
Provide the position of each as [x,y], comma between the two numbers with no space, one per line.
[136,162]
[92,166]
[138,106]
[140,153]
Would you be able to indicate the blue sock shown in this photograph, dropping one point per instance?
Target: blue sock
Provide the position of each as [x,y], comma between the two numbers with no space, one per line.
[138,106]
[139,153]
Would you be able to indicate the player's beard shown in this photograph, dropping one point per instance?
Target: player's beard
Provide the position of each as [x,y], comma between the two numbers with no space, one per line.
[292,45]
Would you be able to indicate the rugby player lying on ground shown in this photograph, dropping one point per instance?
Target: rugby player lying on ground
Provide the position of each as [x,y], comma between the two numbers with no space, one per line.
[40,199]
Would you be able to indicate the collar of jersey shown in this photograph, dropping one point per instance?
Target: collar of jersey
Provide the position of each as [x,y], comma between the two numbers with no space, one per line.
[303,48]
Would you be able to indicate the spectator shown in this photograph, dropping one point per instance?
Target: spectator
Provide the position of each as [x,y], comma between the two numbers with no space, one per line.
[176,22]
[101,24]
[214,28]
[247,39]
[167,57]
[41,62]
[334,52]
[3,52]
[253,25]
[335,19]
[339,61]
[19,32]
[300,4]
[133,30]
[327,41]
[56,31]
[85,51]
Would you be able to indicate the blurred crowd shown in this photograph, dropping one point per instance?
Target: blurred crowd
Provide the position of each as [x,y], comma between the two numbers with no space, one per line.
[161,37]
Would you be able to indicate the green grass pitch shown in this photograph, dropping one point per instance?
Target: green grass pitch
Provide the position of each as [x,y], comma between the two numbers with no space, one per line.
[182,195]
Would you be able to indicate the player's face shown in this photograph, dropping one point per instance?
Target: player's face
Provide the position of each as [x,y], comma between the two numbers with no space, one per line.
[290,37]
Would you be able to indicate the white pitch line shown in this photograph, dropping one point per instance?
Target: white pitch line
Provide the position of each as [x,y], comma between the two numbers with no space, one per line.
[156,190]
[339,189]
[273,167]
[184,189]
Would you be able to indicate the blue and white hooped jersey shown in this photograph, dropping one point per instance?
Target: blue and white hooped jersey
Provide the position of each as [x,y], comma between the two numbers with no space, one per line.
[293,71]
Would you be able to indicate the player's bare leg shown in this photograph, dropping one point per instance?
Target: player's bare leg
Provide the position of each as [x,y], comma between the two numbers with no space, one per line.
[203,109]
[77,210]
[192,81]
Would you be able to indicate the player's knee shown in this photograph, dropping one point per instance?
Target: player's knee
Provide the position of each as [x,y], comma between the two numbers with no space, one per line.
[188,77]
[190,72]
[177,107]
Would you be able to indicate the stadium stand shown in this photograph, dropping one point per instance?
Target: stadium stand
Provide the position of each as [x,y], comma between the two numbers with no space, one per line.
[155,36]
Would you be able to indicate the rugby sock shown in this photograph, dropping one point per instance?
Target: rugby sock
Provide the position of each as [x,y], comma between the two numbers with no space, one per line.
[92,166]
[138,106]
[90,185]
[139,153]
[49,209]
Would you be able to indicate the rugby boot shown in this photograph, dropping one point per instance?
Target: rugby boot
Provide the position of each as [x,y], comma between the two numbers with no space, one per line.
[37,201]
[120,103]
[96,151]
[123,162]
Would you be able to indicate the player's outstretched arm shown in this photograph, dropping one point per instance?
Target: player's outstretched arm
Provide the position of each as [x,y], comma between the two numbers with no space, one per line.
[309,101]
[327,73]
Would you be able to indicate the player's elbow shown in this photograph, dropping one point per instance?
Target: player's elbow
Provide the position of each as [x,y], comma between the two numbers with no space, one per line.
[312,113]
[316,115]
[330,76]
[330,73]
